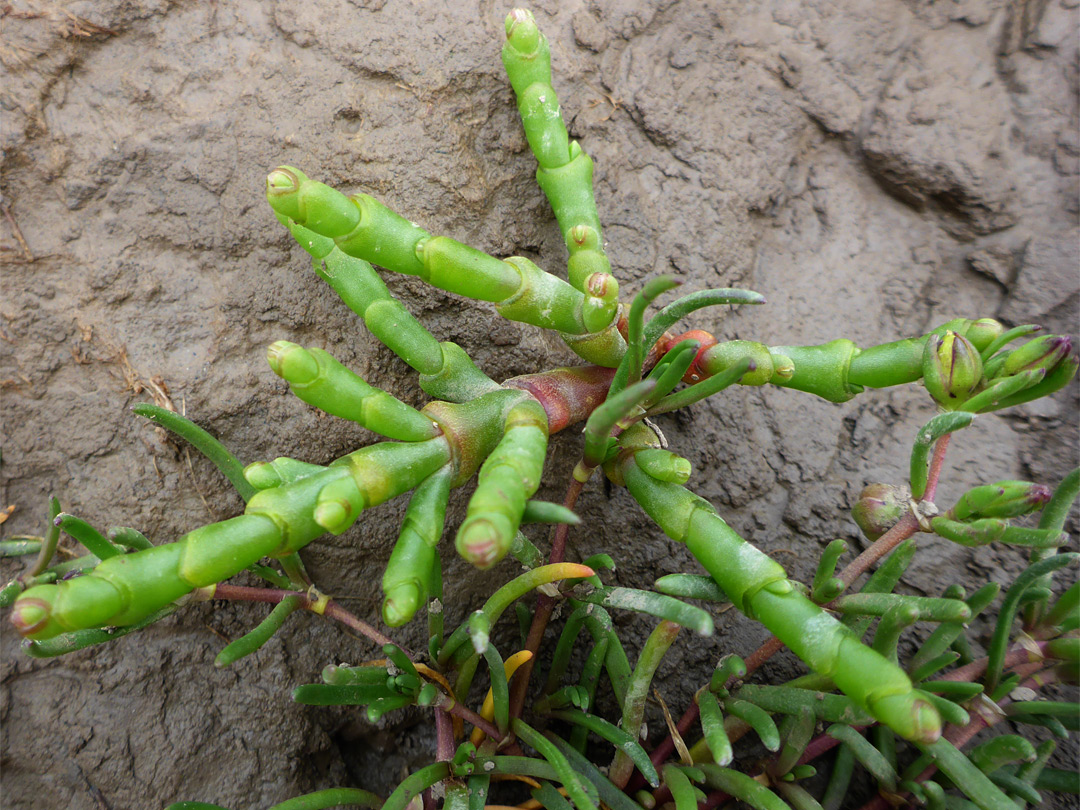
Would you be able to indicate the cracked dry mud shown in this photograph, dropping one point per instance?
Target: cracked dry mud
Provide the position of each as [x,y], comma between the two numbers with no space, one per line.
[874,167]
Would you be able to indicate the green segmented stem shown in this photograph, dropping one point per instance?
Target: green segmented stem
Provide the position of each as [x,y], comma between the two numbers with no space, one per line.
[318,379]
[360,287]
[508,478]
[282,470]
[366,229]
[409,579]
[759,587]
[459,380]
[820,370]
[125,589]
[900,361]
[565,171]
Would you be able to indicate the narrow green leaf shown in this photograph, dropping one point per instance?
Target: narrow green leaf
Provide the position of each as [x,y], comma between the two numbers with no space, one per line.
[202,441]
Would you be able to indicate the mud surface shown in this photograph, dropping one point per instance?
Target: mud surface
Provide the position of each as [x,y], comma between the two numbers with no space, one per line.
[874,167]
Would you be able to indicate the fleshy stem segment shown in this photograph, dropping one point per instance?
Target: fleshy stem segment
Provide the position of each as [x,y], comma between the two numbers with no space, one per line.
[362,227]
[565,171]
[759,587]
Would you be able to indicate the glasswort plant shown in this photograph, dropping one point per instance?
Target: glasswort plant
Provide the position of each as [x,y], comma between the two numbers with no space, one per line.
[904,722]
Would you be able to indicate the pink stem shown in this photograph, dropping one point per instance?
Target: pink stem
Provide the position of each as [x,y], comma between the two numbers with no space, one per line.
[331,609]
[444,737]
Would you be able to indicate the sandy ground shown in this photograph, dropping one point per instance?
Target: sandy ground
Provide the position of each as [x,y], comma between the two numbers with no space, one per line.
[874,167]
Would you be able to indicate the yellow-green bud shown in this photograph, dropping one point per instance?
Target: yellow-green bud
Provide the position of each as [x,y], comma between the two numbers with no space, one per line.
[952,369]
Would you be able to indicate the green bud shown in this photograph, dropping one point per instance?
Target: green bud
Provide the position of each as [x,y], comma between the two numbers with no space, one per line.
[262,475]
[401,603]
[603,286]
[1046,352]
[663,465]
[879,508]
[1005,499]
[338,505]
[952,369]
[522,31]
[983,332]
[291,362]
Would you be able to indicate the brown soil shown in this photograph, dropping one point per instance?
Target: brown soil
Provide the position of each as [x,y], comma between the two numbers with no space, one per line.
[875,167]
